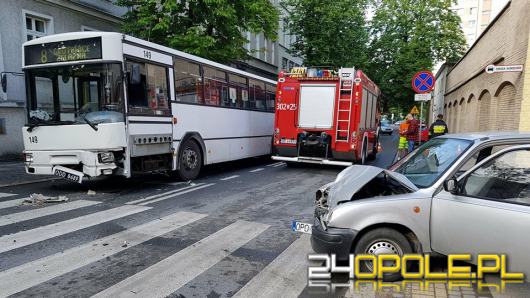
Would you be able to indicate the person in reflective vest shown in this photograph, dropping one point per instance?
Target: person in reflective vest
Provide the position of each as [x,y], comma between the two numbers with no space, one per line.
[438,127]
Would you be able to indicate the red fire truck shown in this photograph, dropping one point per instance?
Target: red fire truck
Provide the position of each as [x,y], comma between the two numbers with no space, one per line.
[326,117]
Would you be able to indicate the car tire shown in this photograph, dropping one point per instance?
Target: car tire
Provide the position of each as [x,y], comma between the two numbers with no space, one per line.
[363,153]
[383,241]
[190,160]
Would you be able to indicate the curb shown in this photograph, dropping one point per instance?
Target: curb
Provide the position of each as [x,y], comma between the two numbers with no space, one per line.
[28,182]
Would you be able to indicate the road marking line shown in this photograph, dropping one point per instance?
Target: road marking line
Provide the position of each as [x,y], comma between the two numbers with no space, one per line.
[279,280]
[228,178]
[25,276]
[163,194]
[20,239]
[279,165]
[12,203]
[274,164]
[34,213]
[257,170]
[168,275]
[5,195]
[175,195]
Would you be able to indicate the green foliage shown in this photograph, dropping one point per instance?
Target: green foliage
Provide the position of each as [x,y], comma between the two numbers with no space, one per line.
[329,32]
[212,29]
[409,36]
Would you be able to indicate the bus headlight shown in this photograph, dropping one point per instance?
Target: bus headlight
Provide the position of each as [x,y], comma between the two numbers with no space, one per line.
[28,157]
[106,157]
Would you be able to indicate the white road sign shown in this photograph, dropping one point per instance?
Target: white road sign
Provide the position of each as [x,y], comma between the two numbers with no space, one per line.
[503,68]
[422,97]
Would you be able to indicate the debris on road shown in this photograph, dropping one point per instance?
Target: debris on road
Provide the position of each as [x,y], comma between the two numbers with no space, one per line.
[91,192]
[39,199]
[124,244]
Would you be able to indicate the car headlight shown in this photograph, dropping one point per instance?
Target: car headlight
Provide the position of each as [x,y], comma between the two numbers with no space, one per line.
[28,157]
[106,157]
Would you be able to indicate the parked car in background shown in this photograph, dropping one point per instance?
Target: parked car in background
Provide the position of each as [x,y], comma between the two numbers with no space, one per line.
[386,128]
[439,198]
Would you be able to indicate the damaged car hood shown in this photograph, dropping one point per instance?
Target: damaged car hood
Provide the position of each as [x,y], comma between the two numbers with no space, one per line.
[353,178]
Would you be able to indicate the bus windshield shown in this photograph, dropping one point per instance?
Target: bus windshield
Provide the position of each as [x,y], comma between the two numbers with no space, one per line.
[81,93]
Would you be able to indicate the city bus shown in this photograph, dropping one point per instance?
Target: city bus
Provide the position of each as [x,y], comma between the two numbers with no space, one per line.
[104,103]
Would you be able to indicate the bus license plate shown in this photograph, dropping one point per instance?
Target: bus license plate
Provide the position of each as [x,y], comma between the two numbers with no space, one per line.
[65,174]
[301,227]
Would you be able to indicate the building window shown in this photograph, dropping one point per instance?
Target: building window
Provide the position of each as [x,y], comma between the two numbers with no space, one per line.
[472,23]
[36,25]
[2,126]
[86,28]
[472,10]
[285,63]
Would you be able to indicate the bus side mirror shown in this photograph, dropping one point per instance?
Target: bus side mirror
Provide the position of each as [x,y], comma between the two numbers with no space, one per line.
[4,82]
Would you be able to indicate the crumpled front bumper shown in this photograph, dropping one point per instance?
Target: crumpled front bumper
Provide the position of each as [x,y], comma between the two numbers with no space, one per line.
[44,161]
[336,241]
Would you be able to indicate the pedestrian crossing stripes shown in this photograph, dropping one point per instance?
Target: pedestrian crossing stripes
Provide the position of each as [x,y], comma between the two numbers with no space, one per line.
[5,195]
[24,238]
[165,193]
[275,164]
[257,170]
[228,178]
[12,203]
[286,276]
[175,194]
[168,275]
[33,273]
[40,212]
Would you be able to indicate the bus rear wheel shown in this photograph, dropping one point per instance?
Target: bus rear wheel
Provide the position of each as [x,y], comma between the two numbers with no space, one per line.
[190,160]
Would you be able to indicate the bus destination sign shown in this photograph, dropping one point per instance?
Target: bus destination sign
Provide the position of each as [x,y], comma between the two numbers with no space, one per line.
[63,51]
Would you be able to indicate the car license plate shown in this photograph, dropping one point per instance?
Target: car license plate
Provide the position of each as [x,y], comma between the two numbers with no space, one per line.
[68,174]
[301,227]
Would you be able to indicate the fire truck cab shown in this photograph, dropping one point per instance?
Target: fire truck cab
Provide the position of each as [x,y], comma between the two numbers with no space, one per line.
[326,117]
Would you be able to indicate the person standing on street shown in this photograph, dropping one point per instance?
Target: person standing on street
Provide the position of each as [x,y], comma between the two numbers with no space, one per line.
[402,145]
[438,127]
[412,132]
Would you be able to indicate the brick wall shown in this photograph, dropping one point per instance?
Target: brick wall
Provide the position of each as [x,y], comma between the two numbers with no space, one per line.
[500,95]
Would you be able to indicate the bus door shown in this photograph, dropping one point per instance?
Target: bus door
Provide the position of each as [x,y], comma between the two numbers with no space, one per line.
[149,91]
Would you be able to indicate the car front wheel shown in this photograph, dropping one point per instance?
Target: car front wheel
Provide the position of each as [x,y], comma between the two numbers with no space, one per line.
[383,241]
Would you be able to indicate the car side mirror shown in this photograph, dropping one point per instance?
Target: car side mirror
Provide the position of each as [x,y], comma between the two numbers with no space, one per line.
[4,83]
[451,186]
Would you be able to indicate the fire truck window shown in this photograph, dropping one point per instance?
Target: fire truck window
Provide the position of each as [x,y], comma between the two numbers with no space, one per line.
[271,95]
[215,86]
[257,95]
[369,116]
[238,92]
[374,111]
[147,92]
[188,84]
[364,102]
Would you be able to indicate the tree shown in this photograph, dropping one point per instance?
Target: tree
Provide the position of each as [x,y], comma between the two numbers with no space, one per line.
[408,36]
[328,32]
[212,29]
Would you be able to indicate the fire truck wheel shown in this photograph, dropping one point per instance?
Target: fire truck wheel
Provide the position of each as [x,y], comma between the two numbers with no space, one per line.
[190,160]
[363,154]
[372,155]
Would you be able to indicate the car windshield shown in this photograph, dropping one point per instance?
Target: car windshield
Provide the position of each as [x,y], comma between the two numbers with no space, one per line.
[427,163]
[76,94]
[385,123]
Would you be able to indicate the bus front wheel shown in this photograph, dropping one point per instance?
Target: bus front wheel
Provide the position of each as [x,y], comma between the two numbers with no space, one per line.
[190,160]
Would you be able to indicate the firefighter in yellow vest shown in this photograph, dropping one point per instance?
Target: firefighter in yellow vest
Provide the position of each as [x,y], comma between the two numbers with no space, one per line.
[438,127]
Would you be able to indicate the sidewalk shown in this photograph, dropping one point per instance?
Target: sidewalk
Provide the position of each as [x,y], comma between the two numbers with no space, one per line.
[13,173]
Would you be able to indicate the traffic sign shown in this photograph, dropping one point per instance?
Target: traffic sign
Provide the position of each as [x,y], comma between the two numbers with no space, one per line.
[503,68]
[423,82]
[422,97]
[414,111]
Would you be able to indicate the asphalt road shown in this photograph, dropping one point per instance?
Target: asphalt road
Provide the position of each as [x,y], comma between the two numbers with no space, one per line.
[225,234]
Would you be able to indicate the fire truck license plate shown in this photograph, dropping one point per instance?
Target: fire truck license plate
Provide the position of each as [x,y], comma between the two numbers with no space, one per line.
[301,227]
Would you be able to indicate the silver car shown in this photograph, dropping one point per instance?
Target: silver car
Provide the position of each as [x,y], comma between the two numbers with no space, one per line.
[467,193]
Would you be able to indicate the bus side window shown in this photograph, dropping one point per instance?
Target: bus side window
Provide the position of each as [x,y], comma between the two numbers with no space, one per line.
[271,95]
[188,83]
[215,86]
[257,95]
[147,92]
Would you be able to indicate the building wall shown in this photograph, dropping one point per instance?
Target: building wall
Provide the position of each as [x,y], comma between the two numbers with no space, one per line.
[61,16]
[475,100]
